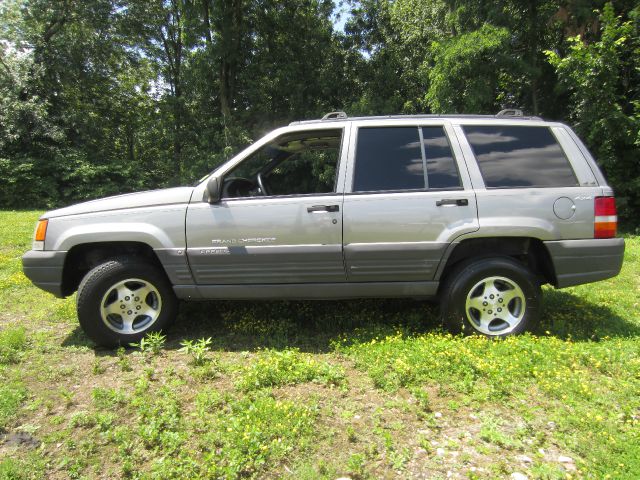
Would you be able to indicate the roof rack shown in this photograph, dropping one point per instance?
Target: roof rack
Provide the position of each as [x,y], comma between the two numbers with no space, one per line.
[510,112]
[334,116]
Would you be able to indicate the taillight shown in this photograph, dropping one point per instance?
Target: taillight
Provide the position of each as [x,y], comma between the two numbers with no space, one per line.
[606,218]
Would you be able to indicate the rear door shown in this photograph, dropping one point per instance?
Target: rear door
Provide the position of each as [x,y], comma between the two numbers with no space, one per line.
[407,197]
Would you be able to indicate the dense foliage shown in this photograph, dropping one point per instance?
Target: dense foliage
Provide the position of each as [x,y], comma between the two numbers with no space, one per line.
[109,96]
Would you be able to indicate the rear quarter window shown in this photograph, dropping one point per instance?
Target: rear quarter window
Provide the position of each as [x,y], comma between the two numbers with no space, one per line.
[519,156]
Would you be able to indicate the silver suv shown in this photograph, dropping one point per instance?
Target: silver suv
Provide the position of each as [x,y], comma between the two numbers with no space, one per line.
[478,211]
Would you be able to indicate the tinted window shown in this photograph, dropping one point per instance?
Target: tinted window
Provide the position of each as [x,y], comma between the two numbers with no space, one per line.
[388,159]
[441,167]
[515,156]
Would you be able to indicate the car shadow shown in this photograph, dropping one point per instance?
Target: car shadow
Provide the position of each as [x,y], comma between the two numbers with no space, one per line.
[567,315]
[314,326]
[310,326]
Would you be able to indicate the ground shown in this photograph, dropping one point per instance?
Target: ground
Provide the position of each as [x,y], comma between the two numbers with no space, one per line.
[306,390]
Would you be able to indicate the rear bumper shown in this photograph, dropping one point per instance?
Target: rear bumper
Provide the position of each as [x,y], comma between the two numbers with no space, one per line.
[585,261]
[44,269]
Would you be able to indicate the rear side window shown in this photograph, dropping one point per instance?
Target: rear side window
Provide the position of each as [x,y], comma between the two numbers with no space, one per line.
[519,156]
[403,158]
[388,159]
[441,167]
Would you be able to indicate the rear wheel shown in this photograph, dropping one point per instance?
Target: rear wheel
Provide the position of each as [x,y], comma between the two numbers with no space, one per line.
[494,297]
[122,300]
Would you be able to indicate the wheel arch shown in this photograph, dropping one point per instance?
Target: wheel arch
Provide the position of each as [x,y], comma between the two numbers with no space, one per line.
[80,259]
[531,252]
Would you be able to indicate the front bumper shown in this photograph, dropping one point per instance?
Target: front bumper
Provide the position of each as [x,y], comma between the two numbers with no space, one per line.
[44,269]
[585,261]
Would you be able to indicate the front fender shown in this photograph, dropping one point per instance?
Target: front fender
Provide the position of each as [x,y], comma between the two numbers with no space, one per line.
[159,227]
[112,232]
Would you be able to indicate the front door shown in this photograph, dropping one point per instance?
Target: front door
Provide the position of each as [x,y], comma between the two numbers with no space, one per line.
[280,217]
[408,197]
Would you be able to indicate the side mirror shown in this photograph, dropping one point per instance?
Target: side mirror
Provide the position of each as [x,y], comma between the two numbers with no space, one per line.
[214,189]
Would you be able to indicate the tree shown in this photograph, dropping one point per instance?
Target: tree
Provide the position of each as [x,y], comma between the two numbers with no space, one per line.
[26,131]
[467,71]
[112,96]
[602,78]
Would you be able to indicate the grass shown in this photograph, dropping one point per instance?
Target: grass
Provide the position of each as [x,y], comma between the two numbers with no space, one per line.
[273,368]
[306,390]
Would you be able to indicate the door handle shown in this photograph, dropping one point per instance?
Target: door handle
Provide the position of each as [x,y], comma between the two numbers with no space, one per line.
[323,208]
[458,202]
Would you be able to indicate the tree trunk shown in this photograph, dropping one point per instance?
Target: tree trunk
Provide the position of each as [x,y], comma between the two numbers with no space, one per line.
[173,46]
[230,28]
[533,54]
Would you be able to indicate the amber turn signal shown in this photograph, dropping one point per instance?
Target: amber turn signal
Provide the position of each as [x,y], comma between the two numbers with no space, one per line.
[41,230]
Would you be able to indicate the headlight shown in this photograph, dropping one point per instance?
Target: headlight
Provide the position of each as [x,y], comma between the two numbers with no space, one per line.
[40,235]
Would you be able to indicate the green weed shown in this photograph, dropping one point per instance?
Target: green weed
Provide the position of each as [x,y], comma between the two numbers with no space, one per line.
[12,394]
[161,423]
[13,343]
[197,349]
[67,396]
[152,343]
[123,360]
[98,368]
[273,368]
[108,398]
[252,433]
[356,464]
[30,467]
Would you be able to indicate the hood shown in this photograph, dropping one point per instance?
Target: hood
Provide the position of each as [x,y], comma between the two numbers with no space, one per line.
[165,196]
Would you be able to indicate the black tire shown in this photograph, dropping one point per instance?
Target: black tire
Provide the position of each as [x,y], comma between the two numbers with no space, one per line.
[101,281]
[468,281]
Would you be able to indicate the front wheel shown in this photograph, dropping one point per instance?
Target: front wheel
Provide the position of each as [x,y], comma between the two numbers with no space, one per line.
[122,300]
[494,297]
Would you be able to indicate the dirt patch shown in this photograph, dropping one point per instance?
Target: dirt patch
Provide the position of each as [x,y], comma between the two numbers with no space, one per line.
[19,440]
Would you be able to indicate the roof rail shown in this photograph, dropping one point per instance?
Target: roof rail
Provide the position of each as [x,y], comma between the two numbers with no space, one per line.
[510,112]
[334,115]
[504,115]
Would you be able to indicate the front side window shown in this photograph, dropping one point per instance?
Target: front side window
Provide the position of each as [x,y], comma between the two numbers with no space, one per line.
[519,156]
[299,163]
[404,158]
